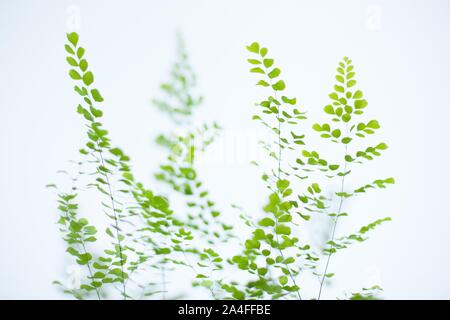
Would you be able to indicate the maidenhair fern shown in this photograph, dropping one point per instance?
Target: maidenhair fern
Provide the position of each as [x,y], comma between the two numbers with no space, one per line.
[277,257]
[123,201]
[180,170]
[180,101]
[271,254]
[346,107]
[200,216]
[141,241]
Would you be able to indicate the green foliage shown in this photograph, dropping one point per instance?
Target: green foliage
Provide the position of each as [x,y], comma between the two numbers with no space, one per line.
[347,104]
[271,254]
[179,99]
[277,256]
[124,200]
[201,219]
[371,293]
[143,233]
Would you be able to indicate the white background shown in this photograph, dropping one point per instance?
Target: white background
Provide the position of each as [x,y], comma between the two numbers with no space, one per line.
[401,54]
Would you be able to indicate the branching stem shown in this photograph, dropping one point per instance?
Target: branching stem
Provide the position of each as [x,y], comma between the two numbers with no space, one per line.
[279,177]
[116,223]
[341,201]
[89,268]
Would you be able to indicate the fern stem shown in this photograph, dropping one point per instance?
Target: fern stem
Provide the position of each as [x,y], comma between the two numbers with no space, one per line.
[163,276]
[279,177]
[189,264]
[88,264]
[341,201]
[89,268]
[116,223]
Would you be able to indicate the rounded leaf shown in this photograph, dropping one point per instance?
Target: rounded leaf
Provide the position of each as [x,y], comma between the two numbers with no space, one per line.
[88,78]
